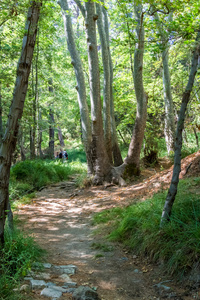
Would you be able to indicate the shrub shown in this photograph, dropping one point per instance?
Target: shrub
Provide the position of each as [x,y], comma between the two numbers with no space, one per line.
[16,258]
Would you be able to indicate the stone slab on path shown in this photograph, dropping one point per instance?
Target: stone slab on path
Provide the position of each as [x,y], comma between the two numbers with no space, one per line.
[51,293]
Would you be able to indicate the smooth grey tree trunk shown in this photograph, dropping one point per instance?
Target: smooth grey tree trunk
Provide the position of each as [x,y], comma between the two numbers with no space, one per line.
[102,165]
[111,140]
[132,161]
[106,86]
[169,107]
[179,130]
[16,110]
[117,157]
[81,88]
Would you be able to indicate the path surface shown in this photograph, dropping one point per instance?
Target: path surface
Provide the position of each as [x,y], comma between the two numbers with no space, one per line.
[60,220]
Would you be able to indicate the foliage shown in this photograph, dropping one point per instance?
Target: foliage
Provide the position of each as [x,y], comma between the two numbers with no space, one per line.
[30,175]
[177,244]
[16,259]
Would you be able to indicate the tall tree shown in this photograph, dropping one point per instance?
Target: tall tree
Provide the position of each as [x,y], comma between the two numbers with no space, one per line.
[117,157]
[179,130]
[132,161]
[51,123]
[169,110]
[108,105]
[100,158]
[81,87]
[16,110]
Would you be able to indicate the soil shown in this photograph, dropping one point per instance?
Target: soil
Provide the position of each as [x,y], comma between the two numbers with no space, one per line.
[60,218]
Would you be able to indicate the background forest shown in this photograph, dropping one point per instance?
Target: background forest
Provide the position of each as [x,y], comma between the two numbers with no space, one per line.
[51,99]
[115,84]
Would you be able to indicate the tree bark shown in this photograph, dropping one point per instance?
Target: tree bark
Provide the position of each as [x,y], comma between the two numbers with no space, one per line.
[102,166]
[51,134]
[81,88]
[39,135]
[106,87]
[179,131]
[132,161]
[10,137]
[169,109]
[111,138]
[117,157]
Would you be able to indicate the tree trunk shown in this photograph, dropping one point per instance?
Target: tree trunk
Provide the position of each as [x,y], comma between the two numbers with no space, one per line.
[178,142]
[10,137]
[51,134]
[60,137]
[106,88]
[169,109]
[81,89]
[21,144]
[117,158]
[102,166]
[51,124]
[132,161]
[39,135]
[32,143]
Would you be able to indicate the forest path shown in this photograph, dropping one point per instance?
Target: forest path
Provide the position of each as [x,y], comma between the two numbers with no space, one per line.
[59,218]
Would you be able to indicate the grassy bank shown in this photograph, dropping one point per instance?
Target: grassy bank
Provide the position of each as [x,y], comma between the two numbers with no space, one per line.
[177,245]
[31,175]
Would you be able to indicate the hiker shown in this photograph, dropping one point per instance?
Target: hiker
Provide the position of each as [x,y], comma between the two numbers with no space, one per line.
[60,155]
[65,155]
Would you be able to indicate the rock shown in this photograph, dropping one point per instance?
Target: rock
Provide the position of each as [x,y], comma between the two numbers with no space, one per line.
[70,290]
[65,277]
[49,284]
[25,288]
[69,284]
[51,293]
[58,288]
[47,265]
[44,276]
[85,293]
[68,269]
[37,284]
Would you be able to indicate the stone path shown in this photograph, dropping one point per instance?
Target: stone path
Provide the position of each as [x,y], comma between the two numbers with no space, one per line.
[59,218]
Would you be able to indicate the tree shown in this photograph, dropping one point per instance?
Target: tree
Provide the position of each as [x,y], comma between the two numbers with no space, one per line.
[169,110]
[81,87]
[102,166]
[111,141]
[16,110]
[179,130]
[132,161]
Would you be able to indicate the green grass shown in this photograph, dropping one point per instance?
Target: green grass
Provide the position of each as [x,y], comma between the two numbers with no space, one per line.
[16,258]
[177,245]
[30,175]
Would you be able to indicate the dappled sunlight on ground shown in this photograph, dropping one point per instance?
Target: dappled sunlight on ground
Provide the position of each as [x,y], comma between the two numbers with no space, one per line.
[60,220]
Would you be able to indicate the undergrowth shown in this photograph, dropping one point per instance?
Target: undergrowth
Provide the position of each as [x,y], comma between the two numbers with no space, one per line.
[30,175]
[16,258]
[177,245]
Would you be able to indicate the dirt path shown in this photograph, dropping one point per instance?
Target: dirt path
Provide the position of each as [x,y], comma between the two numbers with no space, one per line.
[60,220]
